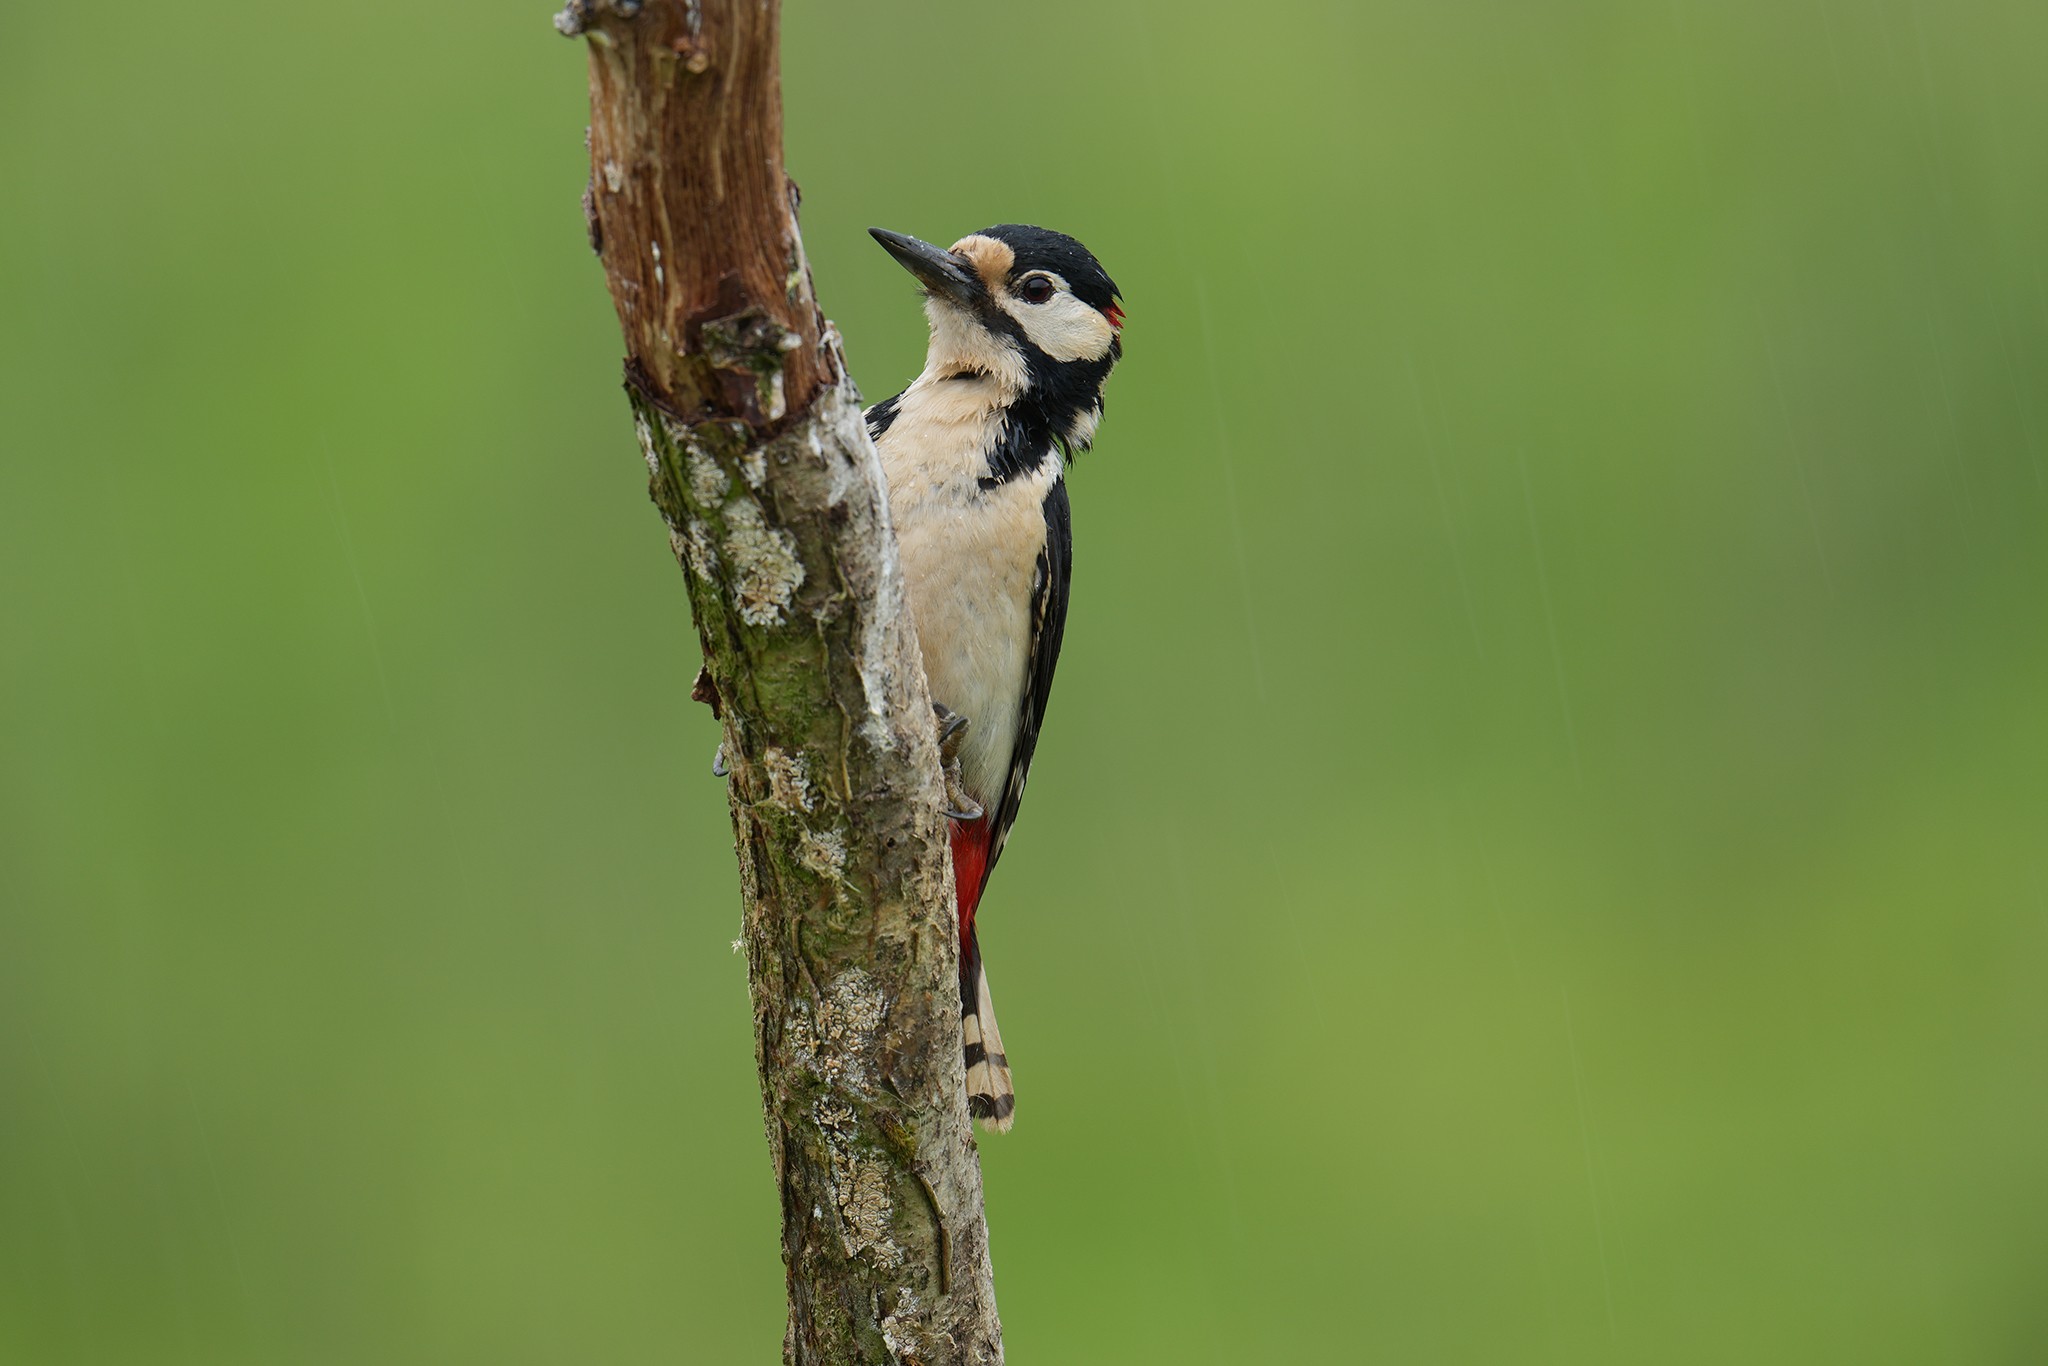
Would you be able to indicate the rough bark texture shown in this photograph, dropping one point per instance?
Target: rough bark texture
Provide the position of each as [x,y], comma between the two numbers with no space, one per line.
[776,508]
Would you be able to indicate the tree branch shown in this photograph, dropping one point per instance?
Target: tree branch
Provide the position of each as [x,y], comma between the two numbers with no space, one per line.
[775,504]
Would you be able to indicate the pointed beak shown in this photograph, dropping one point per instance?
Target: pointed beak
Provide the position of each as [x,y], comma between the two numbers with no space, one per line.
[941,272]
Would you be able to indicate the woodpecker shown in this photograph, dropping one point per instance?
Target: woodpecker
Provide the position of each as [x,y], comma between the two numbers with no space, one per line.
[1025,328]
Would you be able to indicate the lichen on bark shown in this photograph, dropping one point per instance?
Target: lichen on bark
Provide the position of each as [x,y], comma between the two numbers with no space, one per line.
[835,799]
[761,466]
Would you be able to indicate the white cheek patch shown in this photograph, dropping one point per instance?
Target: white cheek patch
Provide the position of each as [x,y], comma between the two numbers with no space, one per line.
[1063,327]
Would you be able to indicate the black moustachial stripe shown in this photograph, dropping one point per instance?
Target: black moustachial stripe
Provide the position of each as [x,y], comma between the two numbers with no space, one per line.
[1021,446]
[1043,419]
[1063,390]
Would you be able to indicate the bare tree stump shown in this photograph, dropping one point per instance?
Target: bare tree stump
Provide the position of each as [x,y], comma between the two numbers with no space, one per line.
[776,508]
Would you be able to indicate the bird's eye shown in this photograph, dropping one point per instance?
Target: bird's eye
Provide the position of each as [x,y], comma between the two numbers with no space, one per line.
[1037,290]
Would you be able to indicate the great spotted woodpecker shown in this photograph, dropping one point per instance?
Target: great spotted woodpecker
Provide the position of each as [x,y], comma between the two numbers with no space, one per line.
[1024,330]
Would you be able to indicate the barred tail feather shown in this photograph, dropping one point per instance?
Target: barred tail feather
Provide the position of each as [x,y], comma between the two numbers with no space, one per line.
[990,1097]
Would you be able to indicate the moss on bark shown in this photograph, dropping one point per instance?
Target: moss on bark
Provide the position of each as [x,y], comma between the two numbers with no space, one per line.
[762,469]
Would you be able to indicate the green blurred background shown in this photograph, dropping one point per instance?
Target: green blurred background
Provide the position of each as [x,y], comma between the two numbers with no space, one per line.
[1539,849]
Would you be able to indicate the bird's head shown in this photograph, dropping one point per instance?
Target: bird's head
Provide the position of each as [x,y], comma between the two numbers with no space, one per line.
[1028,308]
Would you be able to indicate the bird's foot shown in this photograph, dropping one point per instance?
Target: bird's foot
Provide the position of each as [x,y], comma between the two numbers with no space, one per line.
[952,731]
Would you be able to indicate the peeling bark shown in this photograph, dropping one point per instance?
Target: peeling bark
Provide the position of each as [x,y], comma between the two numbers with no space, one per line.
[775,504]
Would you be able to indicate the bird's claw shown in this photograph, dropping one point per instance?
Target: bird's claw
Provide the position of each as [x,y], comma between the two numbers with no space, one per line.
[952,730]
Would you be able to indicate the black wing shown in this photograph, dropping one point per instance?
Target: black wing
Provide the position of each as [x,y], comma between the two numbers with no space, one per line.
[1048,626]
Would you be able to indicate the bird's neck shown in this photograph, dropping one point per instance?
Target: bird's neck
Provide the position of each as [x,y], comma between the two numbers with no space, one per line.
[1045,403]
[954,424]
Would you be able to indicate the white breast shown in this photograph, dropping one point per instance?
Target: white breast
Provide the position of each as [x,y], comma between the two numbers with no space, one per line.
[969,559]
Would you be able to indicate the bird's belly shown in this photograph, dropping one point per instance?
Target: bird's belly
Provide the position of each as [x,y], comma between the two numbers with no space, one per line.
[969,561]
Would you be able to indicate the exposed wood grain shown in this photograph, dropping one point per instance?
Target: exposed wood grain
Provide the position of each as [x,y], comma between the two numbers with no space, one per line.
[693,210]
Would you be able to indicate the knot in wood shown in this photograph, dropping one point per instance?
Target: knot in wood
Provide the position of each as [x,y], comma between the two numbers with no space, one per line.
[748,341]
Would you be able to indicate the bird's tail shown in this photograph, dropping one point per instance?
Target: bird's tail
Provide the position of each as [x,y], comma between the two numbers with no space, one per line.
[990,1097]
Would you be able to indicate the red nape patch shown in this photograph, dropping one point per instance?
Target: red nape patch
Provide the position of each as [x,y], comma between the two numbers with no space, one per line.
[970,865]
[1115,316]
